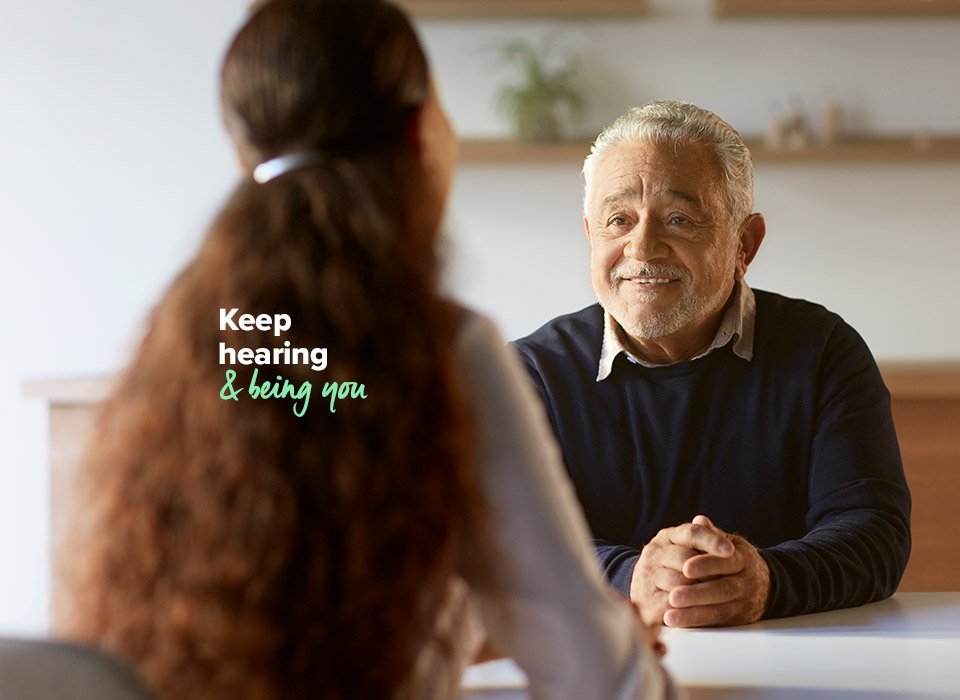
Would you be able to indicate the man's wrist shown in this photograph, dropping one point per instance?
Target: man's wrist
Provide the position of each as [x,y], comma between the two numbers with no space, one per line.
[765,557]
[766,575]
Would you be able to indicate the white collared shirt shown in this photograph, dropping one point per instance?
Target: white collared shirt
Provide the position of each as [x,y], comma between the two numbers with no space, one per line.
[737,325]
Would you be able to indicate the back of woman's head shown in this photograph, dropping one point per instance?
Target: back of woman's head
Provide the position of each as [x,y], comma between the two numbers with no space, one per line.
[335,77]
[231,547]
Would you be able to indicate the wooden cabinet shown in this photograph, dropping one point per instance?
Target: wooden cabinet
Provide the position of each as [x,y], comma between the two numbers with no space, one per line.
[926,410]
[72,409]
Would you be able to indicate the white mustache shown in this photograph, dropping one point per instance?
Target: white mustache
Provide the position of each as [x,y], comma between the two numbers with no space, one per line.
[633,270]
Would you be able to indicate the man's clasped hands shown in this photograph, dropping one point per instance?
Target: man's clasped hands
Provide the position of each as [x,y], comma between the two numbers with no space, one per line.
[697,575]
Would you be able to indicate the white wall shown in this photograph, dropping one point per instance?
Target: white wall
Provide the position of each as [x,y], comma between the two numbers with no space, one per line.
[113,160]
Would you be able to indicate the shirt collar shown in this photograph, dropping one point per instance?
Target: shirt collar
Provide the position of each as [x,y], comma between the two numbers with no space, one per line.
[737,325]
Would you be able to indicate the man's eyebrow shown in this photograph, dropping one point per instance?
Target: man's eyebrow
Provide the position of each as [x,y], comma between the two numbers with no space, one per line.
[620,195]
[684,197]
[632,192]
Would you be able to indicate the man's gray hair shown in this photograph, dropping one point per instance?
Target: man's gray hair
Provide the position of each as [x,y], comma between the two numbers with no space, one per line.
[681,122]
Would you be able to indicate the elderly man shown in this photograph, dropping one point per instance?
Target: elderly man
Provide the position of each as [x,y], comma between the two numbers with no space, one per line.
[733,449]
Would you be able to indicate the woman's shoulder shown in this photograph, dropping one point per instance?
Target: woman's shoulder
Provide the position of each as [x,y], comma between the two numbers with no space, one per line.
[476,330]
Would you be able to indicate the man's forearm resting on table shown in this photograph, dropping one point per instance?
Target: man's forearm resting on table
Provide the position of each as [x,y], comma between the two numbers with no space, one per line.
[856,558]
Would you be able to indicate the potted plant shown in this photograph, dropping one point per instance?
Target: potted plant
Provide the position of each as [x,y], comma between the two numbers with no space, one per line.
[546,99]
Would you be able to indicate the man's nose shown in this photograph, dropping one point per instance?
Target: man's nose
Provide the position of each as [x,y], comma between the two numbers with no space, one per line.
[645,242]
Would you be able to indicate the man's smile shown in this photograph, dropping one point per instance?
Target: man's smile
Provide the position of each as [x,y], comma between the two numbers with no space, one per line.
[649,281]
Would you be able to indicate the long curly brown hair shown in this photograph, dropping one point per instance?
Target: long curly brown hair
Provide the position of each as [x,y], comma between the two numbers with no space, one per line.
[232,549]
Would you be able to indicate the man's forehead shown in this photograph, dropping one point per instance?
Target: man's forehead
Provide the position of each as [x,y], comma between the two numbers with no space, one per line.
[634,168]
[632,159]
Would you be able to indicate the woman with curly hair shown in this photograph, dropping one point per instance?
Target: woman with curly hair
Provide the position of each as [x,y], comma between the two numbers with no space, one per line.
[242,548]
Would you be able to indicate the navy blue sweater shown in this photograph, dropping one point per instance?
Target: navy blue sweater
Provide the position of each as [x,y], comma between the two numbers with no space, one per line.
[794,450]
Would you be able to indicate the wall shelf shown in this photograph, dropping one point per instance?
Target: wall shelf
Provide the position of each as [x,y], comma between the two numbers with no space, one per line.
[810,8]
[437,9]
[506,151]
[895,149]
[522,8]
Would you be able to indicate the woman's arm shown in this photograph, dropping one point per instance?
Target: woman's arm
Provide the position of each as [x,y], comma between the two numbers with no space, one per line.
[555,616]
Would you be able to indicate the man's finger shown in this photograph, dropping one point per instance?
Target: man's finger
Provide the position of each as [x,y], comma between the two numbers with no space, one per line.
[701,616]
[705,521]
[673,556]
[719,590]
[702,537]
[668,579]
[704,566]
[653,607]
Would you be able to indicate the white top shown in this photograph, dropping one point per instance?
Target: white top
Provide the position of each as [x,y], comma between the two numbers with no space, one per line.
[557,618]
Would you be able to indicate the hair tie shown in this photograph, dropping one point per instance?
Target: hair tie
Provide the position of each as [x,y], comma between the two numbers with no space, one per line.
[281,165]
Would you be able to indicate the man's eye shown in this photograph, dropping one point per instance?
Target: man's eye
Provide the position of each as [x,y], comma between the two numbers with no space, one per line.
[677,220]
[617,221]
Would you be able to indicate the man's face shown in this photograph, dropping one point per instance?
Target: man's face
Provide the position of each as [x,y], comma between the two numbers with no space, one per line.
[664,251]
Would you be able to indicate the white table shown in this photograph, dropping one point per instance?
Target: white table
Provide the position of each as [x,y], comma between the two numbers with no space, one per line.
[905,647]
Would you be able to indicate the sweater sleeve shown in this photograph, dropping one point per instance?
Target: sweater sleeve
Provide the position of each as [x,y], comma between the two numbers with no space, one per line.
[618,562]
[552,614]
[858,514]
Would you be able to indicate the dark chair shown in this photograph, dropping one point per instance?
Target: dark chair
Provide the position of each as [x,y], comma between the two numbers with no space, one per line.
[48,670]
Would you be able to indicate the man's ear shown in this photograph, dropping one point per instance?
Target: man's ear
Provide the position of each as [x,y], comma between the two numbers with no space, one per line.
[586,228]
[752,231]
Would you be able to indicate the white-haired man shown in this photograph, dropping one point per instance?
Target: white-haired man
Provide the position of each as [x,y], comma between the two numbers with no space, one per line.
[690,407]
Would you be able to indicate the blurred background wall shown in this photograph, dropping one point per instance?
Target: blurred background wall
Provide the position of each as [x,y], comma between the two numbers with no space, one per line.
[112,160]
